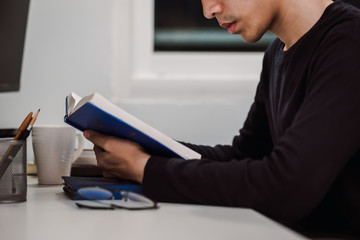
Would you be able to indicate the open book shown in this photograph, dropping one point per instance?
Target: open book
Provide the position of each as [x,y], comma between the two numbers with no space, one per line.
[94,112]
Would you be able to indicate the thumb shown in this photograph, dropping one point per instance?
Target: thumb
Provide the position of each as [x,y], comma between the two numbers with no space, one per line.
[96,138]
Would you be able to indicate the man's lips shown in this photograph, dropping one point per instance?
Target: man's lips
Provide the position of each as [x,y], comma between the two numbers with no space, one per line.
[229,26]
[225,25]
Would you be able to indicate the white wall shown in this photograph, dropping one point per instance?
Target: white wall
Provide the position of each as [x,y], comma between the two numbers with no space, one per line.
[69,48]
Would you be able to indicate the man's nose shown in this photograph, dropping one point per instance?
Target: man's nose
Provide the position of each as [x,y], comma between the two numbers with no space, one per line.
[211,8]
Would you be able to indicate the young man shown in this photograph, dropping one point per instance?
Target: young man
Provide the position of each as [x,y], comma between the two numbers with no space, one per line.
[297,157]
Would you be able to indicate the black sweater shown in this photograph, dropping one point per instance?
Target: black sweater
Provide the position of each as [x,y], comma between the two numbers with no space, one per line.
[297,157]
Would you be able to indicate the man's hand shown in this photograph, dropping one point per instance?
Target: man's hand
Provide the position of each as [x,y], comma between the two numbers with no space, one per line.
[118,157]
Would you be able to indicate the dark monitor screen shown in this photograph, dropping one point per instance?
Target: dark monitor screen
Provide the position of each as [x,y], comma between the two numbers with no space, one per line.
[13,19]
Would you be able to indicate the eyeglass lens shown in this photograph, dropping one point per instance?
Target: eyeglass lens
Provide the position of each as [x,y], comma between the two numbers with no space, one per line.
[93,204]
[94,193]
[130,200]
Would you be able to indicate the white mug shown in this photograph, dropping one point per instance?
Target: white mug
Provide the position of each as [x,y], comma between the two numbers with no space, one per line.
[54,151]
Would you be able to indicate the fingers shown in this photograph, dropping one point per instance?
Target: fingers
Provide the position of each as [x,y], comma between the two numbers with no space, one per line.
[118,157]
[103,158]
[99,154]
[96,138]
[98,151]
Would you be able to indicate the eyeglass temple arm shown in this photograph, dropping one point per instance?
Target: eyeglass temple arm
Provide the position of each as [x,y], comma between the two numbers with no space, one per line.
[136,196]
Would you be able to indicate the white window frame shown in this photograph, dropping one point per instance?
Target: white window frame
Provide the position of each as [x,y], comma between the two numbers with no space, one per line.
[139,72]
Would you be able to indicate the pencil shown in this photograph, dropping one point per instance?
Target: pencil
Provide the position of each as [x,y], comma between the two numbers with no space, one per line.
[23,126]
[13,148]
[26,133]
[33,119]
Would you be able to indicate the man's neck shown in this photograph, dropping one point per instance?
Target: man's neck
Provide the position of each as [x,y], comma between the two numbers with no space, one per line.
[296,18]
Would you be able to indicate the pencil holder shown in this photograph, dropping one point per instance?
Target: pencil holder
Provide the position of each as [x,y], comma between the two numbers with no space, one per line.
[13,179]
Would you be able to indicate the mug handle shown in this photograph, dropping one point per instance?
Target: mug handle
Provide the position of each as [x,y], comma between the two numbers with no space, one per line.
[80,147]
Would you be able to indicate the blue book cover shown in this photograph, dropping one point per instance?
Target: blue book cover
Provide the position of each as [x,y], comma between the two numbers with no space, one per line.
[94,112]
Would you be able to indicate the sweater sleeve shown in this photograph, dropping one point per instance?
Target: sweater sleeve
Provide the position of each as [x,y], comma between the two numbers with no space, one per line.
[288,182]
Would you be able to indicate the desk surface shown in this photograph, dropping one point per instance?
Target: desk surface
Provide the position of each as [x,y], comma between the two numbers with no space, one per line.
[49,214]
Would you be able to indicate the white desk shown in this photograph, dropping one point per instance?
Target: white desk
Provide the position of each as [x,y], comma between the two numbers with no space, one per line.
[49,214]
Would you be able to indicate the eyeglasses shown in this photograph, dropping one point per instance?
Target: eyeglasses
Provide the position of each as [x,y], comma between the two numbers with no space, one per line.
[101,198]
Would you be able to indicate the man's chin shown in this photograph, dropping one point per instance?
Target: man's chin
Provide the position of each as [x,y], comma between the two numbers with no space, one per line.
[251,38]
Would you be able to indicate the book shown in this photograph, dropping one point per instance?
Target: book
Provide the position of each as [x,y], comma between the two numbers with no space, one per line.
[95,112]
[72,184]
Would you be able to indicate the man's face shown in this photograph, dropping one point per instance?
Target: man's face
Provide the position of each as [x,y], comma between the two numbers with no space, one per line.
[248,18]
